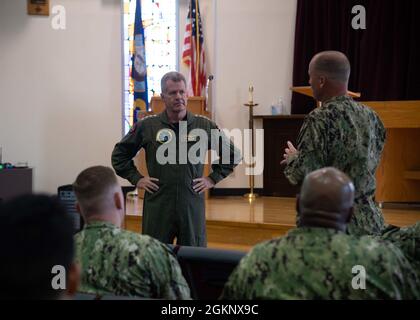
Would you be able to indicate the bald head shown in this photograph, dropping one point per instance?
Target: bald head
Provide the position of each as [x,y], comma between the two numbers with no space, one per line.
[334,65]
[326,198]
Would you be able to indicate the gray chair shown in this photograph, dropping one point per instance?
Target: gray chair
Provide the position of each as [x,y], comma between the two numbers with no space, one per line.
[66,195]
[207,270]
[85,296]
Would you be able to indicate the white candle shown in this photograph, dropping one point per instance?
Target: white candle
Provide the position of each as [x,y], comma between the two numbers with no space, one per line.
[251,94]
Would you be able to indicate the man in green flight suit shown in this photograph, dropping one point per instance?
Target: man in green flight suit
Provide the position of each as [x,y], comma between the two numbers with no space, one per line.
[175,142]
[343,134]
[318,260]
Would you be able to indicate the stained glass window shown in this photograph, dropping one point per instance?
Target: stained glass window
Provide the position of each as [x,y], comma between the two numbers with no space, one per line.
[160,31]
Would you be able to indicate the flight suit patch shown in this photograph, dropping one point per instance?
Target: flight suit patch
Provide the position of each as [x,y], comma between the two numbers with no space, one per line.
[164,136]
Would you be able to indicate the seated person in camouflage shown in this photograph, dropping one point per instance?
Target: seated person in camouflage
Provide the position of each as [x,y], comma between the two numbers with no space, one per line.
[342,133]
[114,260]
[37,250]
[317,260]
[408,240]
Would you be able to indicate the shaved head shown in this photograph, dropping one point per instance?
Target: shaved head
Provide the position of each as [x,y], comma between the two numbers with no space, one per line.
[94,188]
[334,65]
[326,197]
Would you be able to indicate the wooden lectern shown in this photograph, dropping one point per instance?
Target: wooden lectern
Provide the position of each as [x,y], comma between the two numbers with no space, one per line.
[398,174]
[195,105]
[307,91]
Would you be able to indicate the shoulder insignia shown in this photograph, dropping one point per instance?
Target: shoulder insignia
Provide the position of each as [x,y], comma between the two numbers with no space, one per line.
[137,124]
[148,117]
[134,127]
[201,116]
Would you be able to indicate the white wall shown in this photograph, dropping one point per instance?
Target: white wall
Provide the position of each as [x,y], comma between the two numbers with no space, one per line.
[247,42]
[60,90]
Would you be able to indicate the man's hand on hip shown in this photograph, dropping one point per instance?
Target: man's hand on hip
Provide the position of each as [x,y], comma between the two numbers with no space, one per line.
[147,184]
[202,184]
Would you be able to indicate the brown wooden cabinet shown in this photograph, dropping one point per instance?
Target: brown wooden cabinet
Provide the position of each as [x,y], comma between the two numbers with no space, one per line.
[15,182]
[277,131]
[398,174]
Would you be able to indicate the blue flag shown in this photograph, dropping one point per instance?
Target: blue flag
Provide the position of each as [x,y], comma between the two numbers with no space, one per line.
[139,70]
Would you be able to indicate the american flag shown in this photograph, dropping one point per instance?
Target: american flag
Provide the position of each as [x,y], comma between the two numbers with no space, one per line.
[193,52]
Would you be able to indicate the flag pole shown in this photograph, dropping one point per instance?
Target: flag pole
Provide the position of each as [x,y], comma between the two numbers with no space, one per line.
[197,36]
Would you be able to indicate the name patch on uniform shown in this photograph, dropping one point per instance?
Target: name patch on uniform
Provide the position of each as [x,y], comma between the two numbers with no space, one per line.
[192,138]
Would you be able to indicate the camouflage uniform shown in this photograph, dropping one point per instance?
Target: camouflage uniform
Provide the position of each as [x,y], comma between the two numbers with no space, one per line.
[175,209]
[350,137]
[125,263]
[316,263]
[408,240]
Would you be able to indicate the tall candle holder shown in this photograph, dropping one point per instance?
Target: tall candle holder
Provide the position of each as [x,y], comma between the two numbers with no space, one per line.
[251,195]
